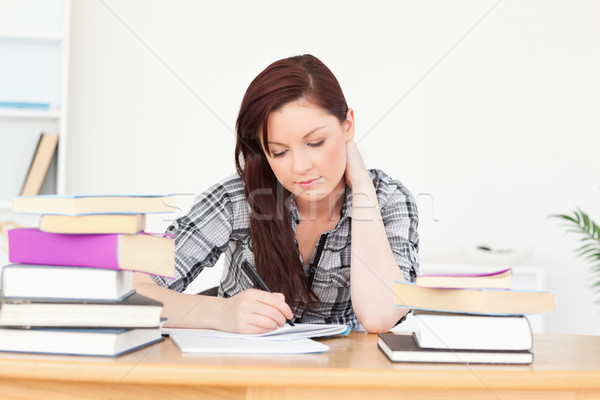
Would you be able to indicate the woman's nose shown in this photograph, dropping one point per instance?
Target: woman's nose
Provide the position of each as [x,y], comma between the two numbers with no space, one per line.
[301,163]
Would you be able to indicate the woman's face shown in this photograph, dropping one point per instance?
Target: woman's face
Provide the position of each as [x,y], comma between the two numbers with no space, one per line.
[307,150]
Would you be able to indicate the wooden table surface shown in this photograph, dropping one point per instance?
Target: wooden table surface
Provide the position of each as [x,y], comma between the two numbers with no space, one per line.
[565,367]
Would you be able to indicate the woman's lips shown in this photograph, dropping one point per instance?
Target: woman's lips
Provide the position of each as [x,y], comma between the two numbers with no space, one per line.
[308,183]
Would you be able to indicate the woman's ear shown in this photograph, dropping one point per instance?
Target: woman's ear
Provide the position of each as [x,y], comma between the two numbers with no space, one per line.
[349,125]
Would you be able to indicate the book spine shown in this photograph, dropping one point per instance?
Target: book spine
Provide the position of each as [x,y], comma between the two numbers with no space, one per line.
[32,246]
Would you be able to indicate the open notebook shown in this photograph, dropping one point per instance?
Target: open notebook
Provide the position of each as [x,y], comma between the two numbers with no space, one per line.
[284,333]
[284,340]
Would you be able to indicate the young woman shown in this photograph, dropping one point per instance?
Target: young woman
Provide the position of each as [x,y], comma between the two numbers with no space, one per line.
[327,236]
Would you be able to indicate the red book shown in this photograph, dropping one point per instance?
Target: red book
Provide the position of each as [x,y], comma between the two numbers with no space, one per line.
[142,252]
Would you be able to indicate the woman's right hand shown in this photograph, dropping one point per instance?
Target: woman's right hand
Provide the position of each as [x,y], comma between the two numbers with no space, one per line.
[254,311]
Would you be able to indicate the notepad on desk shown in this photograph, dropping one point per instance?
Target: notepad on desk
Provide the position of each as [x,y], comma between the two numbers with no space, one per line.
[283,340]
[284,333]
[215,345]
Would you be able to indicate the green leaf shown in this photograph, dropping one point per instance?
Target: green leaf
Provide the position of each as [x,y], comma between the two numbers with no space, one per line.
[586,222]
[588,234]
[589,239]
[596,232]
[594,256]
[578,218]
[566,217]
[583,253]
[586,245]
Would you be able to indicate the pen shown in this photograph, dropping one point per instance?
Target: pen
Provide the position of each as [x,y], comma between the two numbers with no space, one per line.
[253,275]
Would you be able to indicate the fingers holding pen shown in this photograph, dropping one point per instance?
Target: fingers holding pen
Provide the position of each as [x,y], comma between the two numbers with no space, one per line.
[257,311]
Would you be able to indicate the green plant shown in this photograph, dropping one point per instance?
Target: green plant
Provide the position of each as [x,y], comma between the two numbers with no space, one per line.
[589,232]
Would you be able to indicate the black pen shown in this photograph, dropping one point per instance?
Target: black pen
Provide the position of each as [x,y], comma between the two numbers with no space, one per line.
[253,275]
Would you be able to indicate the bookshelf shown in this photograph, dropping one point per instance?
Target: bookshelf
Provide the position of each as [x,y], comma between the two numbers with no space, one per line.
[34,43]
[6,113]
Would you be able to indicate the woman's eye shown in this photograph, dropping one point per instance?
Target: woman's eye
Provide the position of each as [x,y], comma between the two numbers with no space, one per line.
[277,155]
[317,144]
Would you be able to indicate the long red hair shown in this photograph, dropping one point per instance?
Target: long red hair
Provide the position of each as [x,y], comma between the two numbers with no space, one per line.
[276,253]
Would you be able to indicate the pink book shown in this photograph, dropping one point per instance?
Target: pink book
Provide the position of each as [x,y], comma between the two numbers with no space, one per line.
[141,252]
[493,280]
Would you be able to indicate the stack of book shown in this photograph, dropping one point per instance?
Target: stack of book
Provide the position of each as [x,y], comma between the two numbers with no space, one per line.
[69,287]
[466,319]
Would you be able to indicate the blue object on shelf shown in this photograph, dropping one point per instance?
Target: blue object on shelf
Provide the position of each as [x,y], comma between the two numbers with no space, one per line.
[26,105]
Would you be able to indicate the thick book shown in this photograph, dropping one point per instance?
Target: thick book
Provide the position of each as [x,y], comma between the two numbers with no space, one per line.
[472,301]
[493,280]
[143,252]
[472,332]
[82,205]
[215,345]
[93,223]
[135,311]
[404,348]
[284,333]
[88,342]
[40,163]
[57,282]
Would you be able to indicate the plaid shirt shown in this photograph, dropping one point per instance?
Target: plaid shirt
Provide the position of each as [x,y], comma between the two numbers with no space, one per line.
[219,222]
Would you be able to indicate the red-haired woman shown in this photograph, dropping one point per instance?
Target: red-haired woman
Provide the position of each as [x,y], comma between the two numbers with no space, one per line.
[327,236]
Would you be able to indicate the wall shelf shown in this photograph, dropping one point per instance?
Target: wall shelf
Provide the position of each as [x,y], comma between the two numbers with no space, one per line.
[34,38]
[31,36]
[26,113]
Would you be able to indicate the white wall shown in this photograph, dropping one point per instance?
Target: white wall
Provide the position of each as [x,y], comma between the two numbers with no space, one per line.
[495,117]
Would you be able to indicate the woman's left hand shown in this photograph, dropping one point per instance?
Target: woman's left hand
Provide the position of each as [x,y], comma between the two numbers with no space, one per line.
[356,171]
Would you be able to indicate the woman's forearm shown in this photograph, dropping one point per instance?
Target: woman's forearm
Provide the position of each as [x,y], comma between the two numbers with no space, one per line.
[251,311]
[373,265]
[181,310]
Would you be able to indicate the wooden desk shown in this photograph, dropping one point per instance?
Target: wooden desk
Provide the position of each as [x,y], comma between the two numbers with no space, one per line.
[565,367]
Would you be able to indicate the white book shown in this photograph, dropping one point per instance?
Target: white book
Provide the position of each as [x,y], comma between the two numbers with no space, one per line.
[92,342]
[216,345]
[284,333]
[472,332]
[135,311]
[57,282]
[403,348]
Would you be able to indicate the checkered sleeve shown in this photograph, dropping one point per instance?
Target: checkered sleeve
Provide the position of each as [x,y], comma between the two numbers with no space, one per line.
[201,236]
[400,217]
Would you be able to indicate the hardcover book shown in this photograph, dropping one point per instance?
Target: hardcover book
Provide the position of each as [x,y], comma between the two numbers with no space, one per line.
[494,280]
[82,205]
[58,282]
[143,252]
[472,332]
[94,223]
[42,157]
[88,342]
[135,311]
[472,301]
[404,348]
